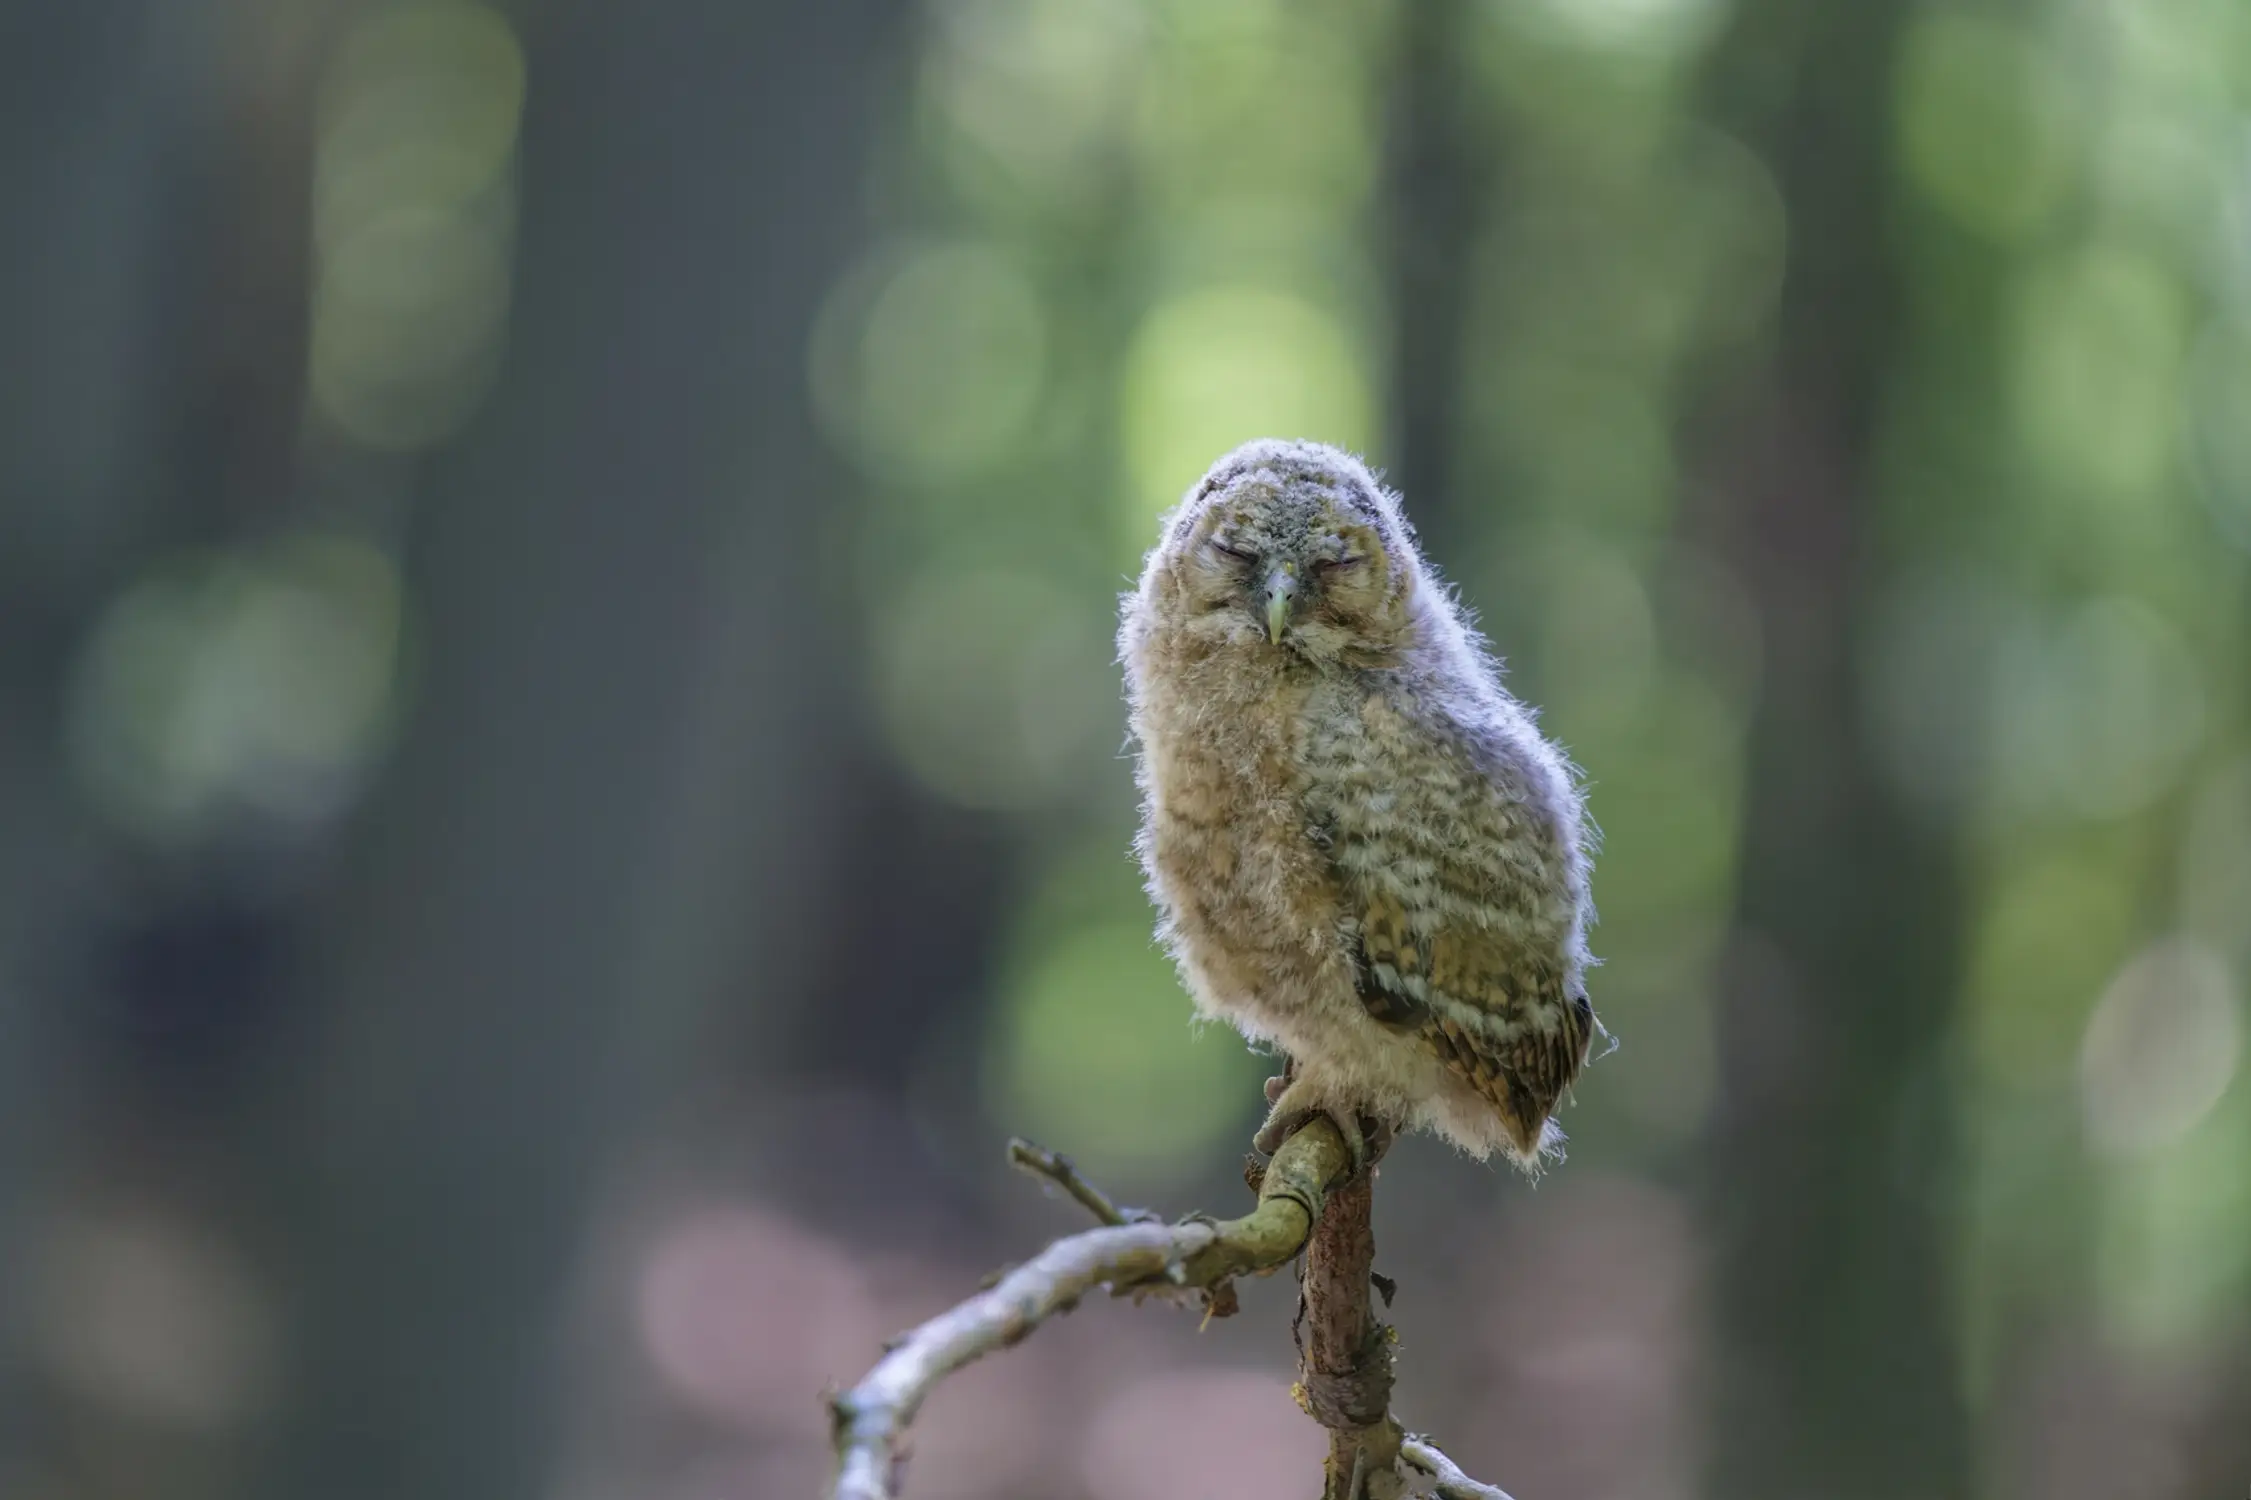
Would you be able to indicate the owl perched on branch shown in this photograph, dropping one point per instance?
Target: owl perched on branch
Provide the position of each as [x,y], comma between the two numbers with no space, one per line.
[1363,850]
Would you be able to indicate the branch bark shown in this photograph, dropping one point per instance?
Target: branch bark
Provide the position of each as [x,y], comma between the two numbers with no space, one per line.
[1302,1206]
[1344,1354]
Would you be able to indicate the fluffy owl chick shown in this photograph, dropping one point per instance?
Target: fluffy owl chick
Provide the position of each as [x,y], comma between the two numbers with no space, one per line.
[1362,849]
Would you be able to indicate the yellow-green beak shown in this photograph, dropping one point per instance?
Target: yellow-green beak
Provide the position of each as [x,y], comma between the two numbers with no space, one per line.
[1281,595]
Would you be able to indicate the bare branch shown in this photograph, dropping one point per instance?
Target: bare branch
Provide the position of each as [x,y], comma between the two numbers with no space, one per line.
[1133,1255]
[872,1417]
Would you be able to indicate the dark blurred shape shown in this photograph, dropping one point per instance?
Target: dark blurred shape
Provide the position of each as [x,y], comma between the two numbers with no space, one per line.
[1439,184]
[599,825]
[99,148]
[1834,1156]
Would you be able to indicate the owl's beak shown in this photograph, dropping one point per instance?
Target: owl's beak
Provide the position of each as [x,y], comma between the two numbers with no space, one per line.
[1281,594]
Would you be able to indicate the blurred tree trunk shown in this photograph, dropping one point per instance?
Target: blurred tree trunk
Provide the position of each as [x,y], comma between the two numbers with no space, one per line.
[1835,1149]
[1436,191]
[97,151]
[602,807]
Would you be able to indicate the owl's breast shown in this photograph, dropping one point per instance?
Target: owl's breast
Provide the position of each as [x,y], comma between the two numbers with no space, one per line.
[1232,852]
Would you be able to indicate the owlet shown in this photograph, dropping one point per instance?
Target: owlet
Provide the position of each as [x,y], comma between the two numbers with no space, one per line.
[1362,849]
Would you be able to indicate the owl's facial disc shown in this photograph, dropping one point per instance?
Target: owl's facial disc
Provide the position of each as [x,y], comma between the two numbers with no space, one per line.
[1307,575]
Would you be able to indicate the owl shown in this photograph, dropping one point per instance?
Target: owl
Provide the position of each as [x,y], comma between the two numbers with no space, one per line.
[1362,850]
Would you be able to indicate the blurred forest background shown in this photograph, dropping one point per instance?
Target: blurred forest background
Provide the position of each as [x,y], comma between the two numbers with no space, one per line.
[560,764]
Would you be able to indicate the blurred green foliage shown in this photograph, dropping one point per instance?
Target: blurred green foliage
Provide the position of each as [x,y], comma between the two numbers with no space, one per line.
[1130,235]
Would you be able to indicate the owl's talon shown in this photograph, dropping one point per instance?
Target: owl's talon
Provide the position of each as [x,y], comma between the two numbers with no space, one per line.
[1290,1116]
[1380,1136]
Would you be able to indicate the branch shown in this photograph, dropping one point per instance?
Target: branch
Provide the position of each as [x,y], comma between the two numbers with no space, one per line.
[872,1417]
[1133,1255]
[1344,1354]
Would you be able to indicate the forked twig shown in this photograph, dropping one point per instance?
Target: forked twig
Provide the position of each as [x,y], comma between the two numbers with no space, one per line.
[1131,1254]
[1059,1169]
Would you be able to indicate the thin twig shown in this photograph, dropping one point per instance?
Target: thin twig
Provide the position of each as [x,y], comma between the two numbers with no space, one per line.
[1060,1170]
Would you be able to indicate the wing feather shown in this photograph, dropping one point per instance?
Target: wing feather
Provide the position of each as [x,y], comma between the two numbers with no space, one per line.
[1494,1012]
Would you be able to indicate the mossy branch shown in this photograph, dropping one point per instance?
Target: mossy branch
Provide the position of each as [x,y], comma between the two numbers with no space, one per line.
[1134,1255]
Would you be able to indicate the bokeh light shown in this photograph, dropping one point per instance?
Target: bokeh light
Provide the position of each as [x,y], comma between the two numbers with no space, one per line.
[222,686]
[742,1312]
[2096,712]
[2161,1047]
[1985,123]
[1094,1046]
[992,685]
[1217,367]
[414,219]
[1031,94]
[146,1314]
[1226,1434]
[2101,338]
[929,363]
[1659,31]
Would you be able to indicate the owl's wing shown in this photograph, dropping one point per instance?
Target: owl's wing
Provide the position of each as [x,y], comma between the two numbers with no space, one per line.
[1498,1014]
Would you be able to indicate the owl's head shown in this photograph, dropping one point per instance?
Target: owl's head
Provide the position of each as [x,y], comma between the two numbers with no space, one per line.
[1293,545]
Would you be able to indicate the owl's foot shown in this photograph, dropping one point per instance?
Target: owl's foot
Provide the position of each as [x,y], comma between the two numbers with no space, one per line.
[1366,1141]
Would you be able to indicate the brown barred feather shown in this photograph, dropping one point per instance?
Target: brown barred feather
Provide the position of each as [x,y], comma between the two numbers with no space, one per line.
[1474,990]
